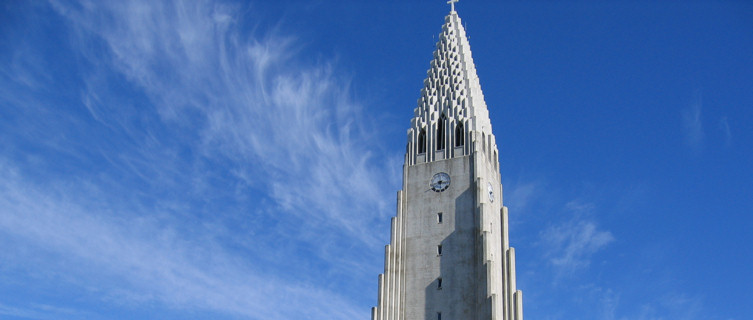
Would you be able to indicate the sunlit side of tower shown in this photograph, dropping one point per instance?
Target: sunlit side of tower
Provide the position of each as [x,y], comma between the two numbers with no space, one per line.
[449,256]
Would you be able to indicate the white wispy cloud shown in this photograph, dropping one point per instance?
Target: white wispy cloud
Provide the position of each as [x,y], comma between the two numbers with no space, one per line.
[669,304]
[569,245]
[672,305]
[21,313]
[206,168]
[519,195]
[693,124]
[724,126]
[295,123]
[144,260]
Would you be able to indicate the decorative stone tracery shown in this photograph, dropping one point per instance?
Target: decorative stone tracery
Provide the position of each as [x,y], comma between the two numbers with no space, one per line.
[452,89]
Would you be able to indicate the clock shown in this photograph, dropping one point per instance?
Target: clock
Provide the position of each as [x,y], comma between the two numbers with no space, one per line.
[491,191]
[440,182]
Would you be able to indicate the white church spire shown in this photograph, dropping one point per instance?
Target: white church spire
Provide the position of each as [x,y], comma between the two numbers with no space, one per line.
[451,92]
[449,255]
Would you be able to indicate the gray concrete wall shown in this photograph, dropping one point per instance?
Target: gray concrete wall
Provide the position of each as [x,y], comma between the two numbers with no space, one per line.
[423,233]
[477,266]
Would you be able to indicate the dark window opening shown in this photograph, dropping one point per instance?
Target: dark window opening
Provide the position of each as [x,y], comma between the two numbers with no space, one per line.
[439,283]
[422,141]
[439,250]
[439,217]
[440,132]
[459,135]
[439,316]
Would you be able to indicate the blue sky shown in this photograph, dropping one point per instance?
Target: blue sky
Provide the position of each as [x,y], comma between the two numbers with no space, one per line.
[239,160]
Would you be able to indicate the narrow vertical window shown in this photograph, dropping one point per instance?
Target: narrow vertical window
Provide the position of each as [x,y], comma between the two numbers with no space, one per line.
[439,316]
[440,132]
[439,250]
[459,135]
[439,217]
[422,141]
[439,283]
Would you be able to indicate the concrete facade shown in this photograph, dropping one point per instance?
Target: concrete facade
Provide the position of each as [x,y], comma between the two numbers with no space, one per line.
[449,255]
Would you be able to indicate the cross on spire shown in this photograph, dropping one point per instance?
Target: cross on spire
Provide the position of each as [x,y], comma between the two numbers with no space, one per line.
[452,5]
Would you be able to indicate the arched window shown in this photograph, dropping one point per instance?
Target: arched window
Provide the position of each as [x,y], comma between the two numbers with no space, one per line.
[440,132]
[459,135]
[422,141]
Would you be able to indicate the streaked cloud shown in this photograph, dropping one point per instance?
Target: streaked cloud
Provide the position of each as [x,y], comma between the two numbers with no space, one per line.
[693,125]
[520,194]
[250,102]
[724,126]
[569,245]
[671,305]
[11,311]
[233,176]
[144,260]
[281,125]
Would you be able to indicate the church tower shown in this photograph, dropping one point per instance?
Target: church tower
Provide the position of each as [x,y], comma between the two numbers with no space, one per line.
[449,257]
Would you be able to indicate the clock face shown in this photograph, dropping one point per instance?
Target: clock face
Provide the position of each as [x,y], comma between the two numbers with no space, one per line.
[440,182]
[491,191]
